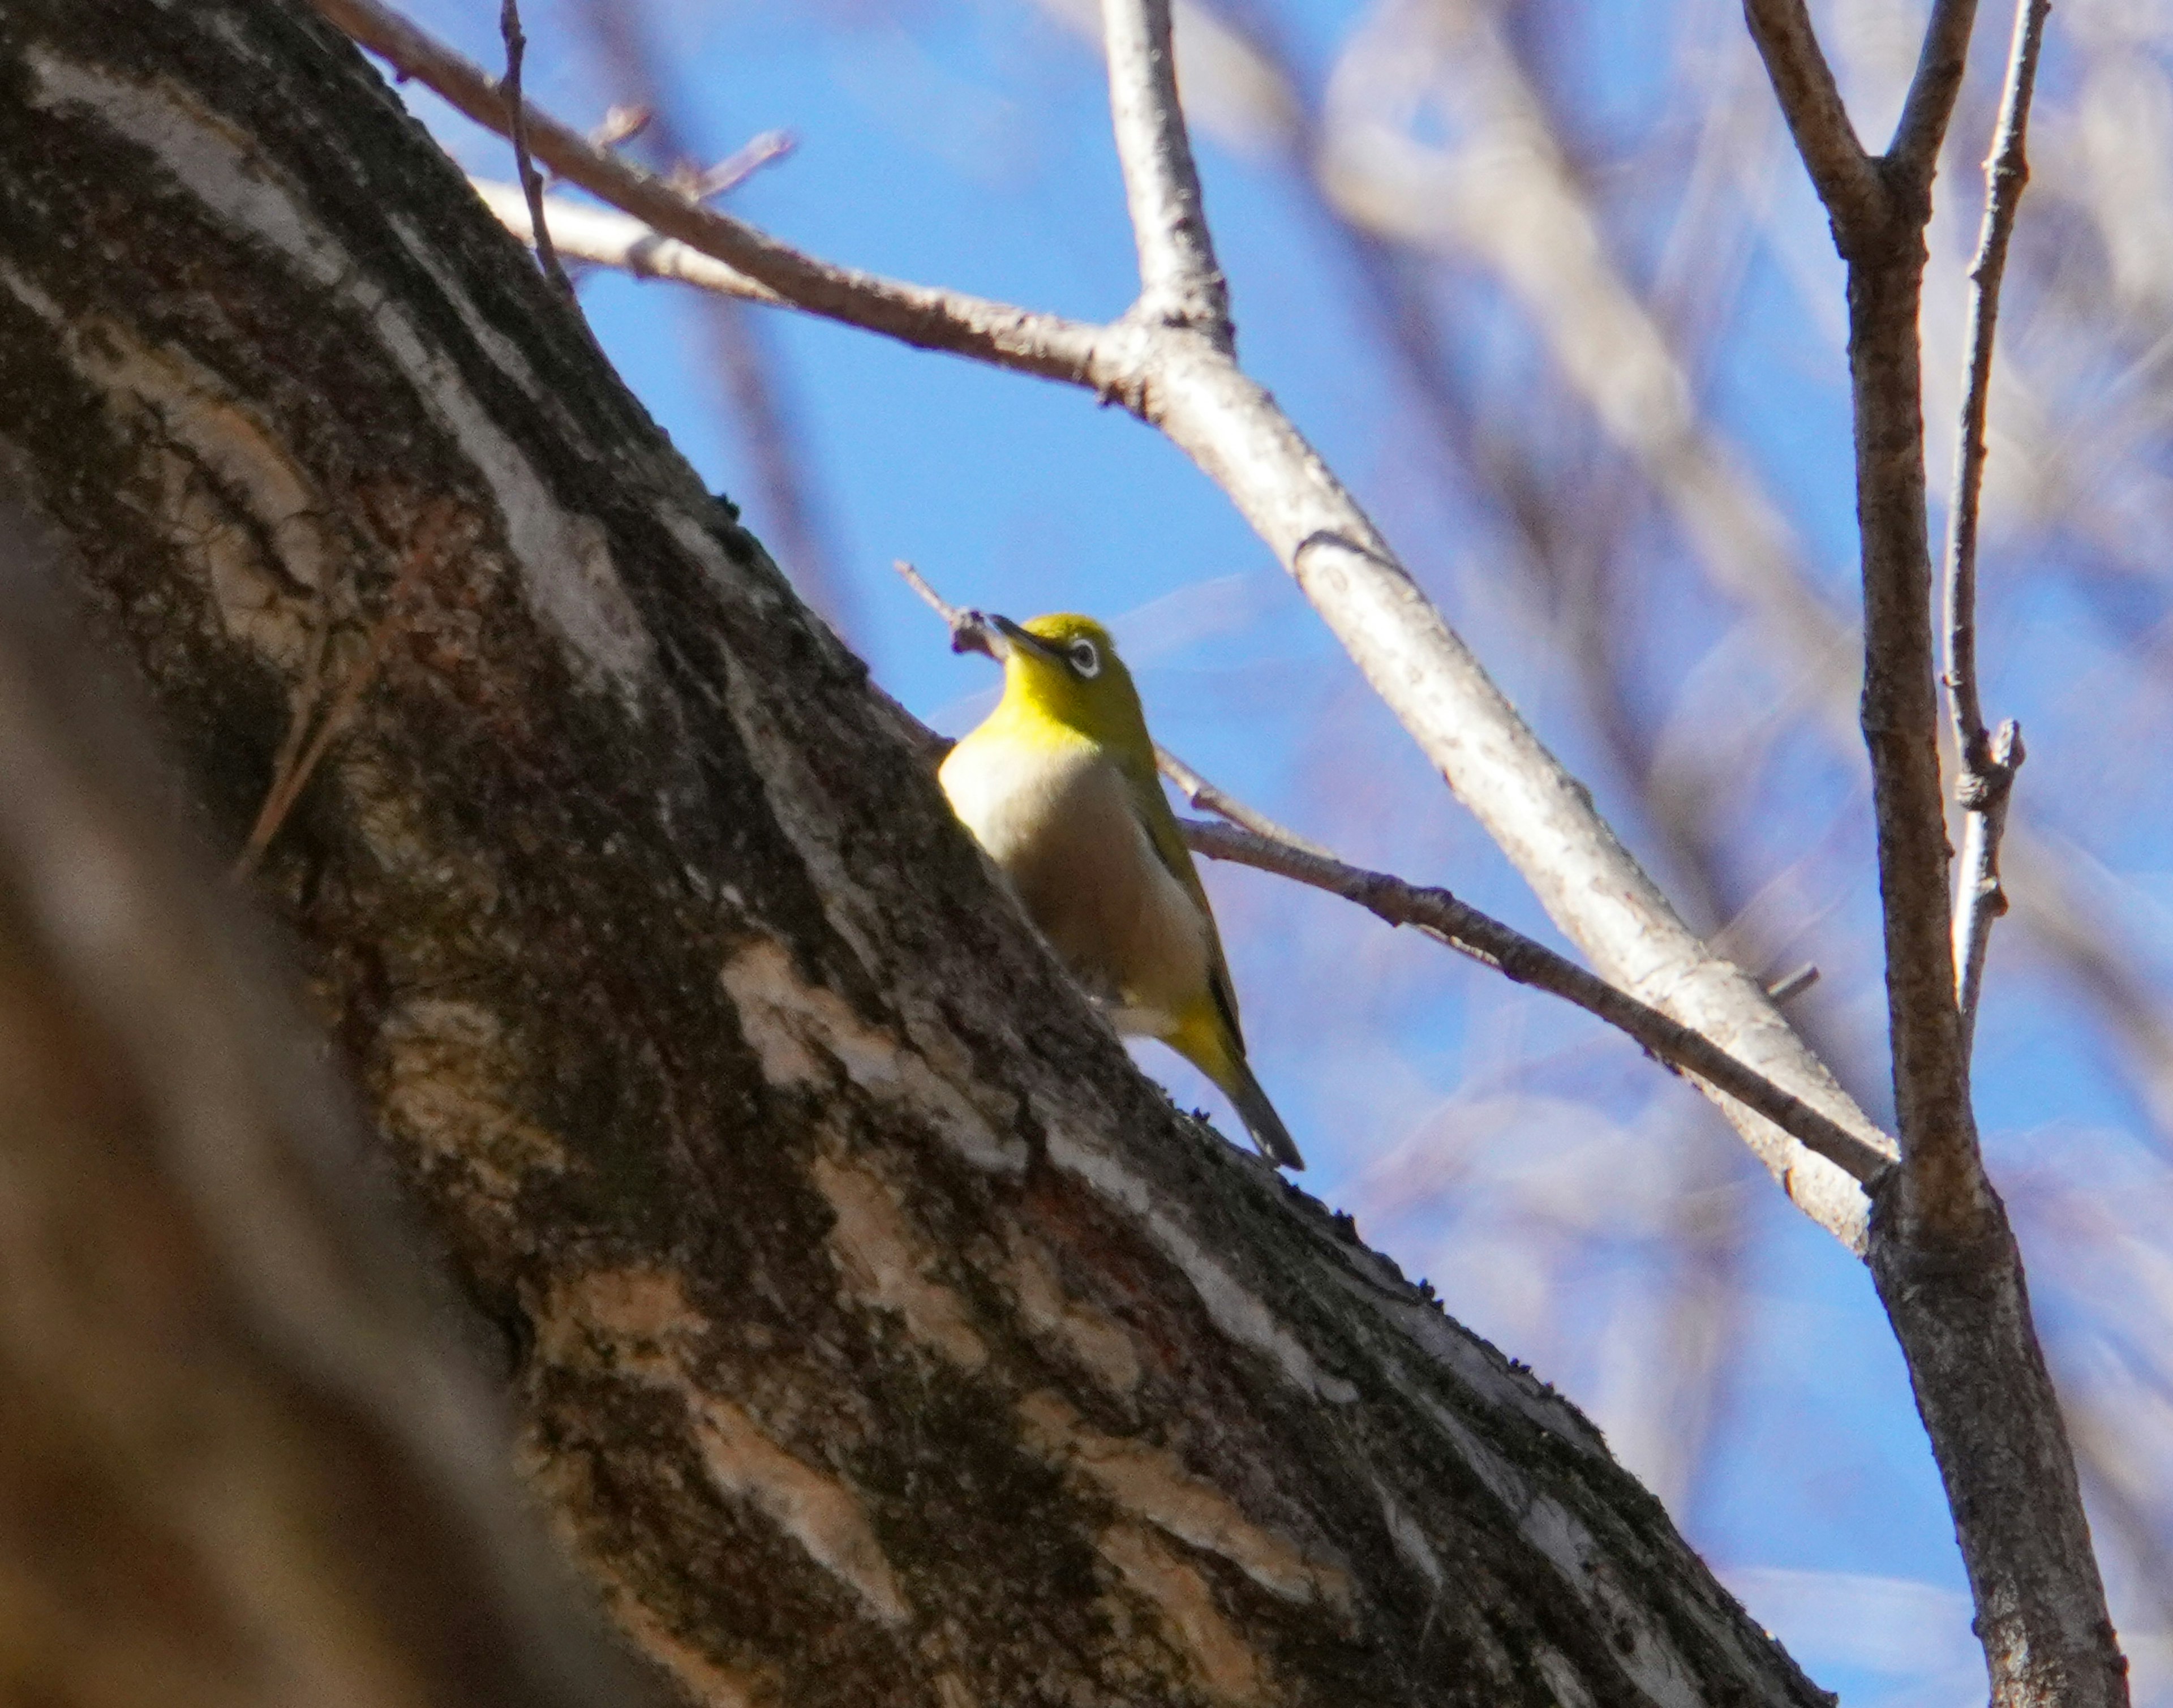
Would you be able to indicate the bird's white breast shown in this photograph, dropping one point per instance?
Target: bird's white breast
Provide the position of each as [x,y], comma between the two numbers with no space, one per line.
[1056,816]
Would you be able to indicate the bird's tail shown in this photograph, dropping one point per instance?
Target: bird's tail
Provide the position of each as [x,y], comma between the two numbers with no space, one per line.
[1258,1114]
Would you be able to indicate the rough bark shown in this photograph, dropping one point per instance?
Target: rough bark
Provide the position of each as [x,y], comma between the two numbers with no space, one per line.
[873,1331]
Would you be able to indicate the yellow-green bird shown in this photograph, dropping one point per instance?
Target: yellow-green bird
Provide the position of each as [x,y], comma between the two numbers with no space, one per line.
[1058,785]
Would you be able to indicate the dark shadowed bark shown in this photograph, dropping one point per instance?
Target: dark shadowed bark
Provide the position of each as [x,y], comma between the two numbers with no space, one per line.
[874,1332]
[236,1467]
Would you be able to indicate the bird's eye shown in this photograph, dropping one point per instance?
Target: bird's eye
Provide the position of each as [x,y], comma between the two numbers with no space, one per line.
[1085,659]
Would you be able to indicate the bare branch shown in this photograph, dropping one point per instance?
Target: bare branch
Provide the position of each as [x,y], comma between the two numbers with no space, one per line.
[1847,180]
[516,130]
[611,239]
[1979,897]
[751,156]
[1987,769]
[1047,345]
[1487,940]
[1179,282]
[1208,798]
[1915,149]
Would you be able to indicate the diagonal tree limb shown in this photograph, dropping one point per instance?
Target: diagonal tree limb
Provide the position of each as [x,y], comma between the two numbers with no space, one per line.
[1047,345]
[1463,927]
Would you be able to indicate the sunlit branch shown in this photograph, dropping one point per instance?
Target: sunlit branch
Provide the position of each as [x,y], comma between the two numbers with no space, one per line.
[1179,282]
[1987,765]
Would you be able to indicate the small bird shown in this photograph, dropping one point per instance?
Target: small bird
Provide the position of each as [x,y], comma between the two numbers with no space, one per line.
[1058,785]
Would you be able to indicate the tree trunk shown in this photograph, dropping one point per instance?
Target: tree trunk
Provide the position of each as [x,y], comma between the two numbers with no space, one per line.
[873,1331]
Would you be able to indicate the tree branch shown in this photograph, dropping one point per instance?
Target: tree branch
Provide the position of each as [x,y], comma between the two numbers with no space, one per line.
[1208,798]
[1914,151]
[516,128]
[1986,781]
[1180,284]
[1463,927]
[1047,345]
[1847,181]
[608,238]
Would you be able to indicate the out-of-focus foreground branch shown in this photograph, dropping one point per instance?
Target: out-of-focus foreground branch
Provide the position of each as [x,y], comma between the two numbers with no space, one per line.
[237,1465]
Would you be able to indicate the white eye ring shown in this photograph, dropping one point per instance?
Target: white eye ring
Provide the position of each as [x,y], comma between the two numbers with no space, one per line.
[1085,659]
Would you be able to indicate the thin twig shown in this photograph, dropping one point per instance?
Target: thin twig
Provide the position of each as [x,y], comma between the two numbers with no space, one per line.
[1208,798]
[743,164]
[296,762]
[1179,282]
[516,130]
[969,629]
[1440,915]
[930,319]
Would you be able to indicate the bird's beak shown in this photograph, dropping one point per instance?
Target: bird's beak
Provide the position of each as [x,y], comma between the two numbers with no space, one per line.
[1013,635]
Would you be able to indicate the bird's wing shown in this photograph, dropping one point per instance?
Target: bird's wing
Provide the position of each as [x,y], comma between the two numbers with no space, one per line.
[1150,806]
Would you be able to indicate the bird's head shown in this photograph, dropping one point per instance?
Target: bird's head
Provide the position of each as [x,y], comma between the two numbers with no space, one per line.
[1064,666]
